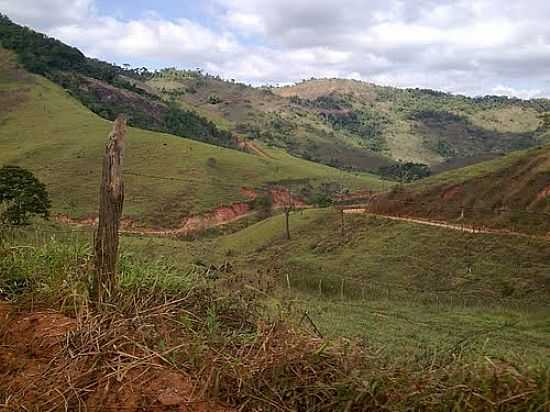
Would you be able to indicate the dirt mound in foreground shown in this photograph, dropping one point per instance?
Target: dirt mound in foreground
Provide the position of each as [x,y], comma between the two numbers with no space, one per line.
[41,371]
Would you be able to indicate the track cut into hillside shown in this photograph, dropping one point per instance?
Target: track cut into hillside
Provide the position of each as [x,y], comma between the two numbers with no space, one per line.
[200,223]
[446,225]
[507,195]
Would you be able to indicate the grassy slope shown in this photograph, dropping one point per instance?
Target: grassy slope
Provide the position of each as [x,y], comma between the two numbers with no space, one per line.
[519,182]
[410,289]
[60,140]
[416,353]
[413,291]
[466,131]
[280,123]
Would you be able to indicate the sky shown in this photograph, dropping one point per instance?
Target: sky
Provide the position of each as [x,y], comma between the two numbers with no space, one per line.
[459,46]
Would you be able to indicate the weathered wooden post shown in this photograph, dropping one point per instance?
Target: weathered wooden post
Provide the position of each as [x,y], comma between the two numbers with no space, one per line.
[287,225]
[111,200]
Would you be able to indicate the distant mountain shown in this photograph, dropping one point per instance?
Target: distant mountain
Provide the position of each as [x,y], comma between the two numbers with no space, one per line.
[347,124]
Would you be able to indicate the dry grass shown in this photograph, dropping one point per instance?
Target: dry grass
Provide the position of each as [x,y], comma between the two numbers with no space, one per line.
[220,355]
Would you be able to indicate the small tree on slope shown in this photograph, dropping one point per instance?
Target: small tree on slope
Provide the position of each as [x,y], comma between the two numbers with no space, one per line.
[21,196]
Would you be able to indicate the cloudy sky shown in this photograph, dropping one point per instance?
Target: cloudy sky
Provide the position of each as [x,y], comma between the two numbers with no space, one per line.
[461,46]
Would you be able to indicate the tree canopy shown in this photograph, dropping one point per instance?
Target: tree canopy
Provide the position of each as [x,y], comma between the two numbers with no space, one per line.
[21,196]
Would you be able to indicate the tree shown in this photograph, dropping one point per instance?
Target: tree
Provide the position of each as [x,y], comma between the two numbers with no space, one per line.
[21,196]
[263,205]
[288,206]
[405,172]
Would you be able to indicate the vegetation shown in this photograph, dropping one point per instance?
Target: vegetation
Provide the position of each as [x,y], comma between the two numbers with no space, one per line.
[22,195]
[414,339]
[345,124]
[106,89]
[405,172]
[291,308]
[167,178]
[511,193]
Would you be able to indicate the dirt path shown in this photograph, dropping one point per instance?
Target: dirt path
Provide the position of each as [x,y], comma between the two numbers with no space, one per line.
[190,226]
[450,226]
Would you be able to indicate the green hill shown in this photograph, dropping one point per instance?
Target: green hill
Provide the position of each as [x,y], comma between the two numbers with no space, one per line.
[414,291]
[46,130]
[347,124]
[353,124]
[512,193]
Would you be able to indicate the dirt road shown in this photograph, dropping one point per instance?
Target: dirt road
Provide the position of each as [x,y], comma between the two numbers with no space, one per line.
[451,226]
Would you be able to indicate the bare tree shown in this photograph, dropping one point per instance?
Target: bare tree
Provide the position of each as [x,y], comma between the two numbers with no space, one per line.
[288,207]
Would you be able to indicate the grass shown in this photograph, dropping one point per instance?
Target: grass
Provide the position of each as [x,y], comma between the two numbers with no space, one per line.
[478,170]
[509,193]
[395,336]
[409,290]
[412,290]
[486,126]
[62,143]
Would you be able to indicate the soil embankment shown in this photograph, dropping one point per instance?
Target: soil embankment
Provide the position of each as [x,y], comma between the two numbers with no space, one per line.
[44,369]
[198,223]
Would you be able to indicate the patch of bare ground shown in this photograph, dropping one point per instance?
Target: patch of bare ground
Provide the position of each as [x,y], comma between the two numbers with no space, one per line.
[219,216]
[53,362]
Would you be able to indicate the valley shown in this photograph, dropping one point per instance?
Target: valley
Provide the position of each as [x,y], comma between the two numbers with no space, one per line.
[330,244]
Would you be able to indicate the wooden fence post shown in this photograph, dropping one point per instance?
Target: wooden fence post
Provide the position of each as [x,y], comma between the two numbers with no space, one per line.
[287,225]
[342,225]
[111,200]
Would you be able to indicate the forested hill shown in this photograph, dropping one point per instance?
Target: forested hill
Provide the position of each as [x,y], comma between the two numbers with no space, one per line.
[356,125]
[105,88]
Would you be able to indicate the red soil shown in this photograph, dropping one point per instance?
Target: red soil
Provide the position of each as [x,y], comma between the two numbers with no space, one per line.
[198,223]
[32,349]
[281,197]
[452,192]
[544,193]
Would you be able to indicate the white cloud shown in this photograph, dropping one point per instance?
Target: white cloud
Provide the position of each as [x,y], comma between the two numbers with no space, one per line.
[179,41]
[468,46]
[45,14]
[501,90]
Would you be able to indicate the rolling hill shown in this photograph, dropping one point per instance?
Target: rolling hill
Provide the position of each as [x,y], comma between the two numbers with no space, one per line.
[168,177]
[357,125]
[348,124]
[512,192]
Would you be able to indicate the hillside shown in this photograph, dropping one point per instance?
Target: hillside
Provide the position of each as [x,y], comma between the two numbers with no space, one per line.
[348,124]
[511,193]
[353,124]
[104,88]
[168,178]
[312,324]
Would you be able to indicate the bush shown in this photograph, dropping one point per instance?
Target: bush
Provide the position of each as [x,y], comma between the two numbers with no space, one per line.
[405,172]
[214,99]
[21,196]
[263,205]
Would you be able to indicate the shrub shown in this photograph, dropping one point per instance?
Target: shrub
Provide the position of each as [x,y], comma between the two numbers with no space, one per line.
[21,196]
[214,99]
